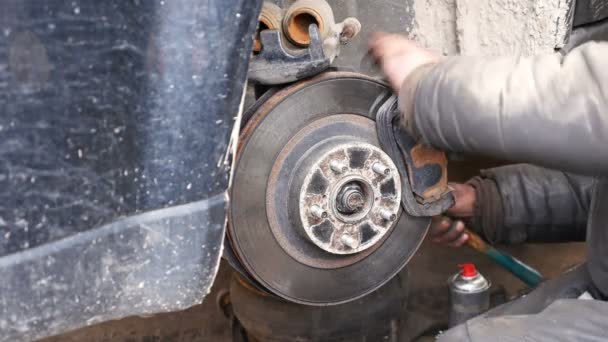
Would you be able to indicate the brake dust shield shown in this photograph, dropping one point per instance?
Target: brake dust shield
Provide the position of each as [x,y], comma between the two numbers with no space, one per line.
[315,213]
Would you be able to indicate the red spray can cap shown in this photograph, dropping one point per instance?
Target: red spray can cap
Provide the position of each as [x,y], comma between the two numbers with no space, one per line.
[468,270]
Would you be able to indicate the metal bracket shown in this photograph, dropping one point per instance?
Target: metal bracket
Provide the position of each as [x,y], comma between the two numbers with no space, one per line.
[276,64]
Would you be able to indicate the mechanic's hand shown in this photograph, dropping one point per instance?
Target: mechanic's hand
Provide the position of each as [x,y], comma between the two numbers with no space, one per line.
[399,56]
[448,231]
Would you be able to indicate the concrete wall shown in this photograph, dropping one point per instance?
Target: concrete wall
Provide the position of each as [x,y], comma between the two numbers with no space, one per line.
[491,27]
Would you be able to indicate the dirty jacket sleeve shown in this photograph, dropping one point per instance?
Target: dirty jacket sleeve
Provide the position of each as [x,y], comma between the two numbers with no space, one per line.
[522,202]
[549,110]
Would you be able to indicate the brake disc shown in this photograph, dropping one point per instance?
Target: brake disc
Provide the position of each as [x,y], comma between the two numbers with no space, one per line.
[315,203]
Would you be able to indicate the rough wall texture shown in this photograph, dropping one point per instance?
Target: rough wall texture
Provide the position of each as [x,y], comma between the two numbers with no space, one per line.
[492,27]
[435,25]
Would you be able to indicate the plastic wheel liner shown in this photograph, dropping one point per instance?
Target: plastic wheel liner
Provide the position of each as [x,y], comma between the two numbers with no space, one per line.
[315,215]
[115,121]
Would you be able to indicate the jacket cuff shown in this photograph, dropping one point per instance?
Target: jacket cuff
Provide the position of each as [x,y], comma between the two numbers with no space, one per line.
[407,96]
[488,215]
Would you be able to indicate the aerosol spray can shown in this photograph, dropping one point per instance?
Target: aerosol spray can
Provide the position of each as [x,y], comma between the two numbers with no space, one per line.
[469,294]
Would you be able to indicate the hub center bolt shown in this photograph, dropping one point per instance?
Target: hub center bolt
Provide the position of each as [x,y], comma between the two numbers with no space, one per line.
[350,199]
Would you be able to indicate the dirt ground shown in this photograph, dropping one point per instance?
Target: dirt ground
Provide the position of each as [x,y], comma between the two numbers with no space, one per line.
[428,298]
[427,306]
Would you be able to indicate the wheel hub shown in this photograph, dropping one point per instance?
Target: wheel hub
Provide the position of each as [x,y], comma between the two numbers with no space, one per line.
[350,198]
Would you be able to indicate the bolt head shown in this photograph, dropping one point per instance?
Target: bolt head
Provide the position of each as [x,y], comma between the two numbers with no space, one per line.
[318,212]
[381,169]
[349,241]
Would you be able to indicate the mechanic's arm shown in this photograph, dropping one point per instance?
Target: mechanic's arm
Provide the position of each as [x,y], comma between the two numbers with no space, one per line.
[518,203]
[549,110]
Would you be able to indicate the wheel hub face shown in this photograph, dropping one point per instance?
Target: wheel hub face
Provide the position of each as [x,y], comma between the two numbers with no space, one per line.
[350,198]
[304,134]
[299,159]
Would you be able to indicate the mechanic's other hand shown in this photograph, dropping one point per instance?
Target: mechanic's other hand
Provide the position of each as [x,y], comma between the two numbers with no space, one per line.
[465,199]
[399,56]
[448,231]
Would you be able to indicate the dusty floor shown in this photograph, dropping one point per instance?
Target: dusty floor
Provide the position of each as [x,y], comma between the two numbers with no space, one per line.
[427,306]
[428,300]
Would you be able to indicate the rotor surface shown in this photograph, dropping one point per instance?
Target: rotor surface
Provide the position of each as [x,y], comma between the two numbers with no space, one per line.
[315,215]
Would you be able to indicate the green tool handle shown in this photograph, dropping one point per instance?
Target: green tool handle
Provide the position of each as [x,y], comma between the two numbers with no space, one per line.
[522,271]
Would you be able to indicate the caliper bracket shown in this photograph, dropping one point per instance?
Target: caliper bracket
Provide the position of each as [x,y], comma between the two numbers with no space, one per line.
[276,64]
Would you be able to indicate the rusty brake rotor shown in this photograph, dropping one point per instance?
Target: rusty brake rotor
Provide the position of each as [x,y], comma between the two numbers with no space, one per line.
[315,203]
